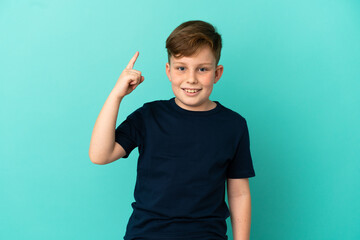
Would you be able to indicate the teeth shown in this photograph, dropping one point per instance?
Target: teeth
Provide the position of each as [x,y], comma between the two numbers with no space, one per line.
[191,91]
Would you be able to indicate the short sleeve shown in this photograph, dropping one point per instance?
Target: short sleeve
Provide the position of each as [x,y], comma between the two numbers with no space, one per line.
[241,166]
[129,133]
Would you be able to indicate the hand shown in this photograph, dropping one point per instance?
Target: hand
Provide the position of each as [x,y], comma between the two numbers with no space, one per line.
[129,79]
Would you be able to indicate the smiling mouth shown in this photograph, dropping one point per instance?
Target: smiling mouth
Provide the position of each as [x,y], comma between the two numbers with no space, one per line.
[191,90]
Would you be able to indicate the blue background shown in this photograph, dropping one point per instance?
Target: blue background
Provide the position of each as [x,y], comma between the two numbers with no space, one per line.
[291,68]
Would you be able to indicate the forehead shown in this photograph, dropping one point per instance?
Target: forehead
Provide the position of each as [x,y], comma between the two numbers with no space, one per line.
[204,55]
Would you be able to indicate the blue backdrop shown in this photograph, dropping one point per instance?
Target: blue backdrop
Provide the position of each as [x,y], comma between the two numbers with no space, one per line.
[291,68]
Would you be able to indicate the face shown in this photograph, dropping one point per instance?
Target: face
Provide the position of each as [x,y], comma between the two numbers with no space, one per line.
[195,72]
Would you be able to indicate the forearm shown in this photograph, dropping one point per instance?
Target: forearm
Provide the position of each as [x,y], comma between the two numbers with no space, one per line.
[240,215]
[103,135]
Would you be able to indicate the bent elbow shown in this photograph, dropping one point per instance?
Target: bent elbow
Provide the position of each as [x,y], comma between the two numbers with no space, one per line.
[97,160]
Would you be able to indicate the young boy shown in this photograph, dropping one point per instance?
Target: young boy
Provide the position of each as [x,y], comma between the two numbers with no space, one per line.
[188,146]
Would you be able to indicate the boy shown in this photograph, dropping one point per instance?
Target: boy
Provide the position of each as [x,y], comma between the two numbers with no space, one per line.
[188,146]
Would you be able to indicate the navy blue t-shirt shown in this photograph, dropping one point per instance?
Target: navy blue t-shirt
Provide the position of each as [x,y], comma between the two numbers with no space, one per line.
[184,160]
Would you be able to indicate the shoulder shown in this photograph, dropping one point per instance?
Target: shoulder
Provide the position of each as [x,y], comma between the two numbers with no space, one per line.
[148,105]
[235,121]
[146,110]
[154,105]
[233,115]
[157,102]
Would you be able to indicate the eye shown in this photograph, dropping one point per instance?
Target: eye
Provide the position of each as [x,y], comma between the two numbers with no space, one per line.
[179,68]
[205,69]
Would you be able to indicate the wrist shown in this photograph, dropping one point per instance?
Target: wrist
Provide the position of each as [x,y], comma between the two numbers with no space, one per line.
[116,96]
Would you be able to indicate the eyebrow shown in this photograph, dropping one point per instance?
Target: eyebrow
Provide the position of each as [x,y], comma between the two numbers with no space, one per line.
[199,64]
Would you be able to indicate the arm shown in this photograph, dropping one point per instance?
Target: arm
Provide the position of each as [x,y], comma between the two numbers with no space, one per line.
[103,148]
[240,207]
[102,143]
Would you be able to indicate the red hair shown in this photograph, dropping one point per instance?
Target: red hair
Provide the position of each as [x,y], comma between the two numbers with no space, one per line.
[189,36]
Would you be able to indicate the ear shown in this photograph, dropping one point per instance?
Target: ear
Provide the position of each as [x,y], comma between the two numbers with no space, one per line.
[167,70]
[218,73]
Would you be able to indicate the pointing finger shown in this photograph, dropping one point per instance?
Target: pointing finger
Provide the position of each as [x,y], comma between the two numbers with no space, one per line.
[132,61]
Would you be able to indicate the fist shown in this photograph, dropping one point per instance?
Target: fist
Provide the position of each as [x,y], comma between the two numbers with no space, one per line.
[129,79]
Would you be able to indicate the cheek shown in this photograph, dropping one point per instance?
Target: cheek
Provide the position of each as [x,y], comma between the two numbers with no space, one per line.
[208,81]
[176,78]
[175,83]
[176,75]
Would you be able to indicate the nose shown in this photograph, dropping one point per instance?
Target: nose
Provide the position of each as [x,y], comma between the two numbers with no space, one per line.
[192,77]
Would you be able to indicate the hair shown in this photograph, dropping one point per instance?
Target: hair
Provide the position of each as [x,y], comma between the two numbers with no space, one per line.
[189,36]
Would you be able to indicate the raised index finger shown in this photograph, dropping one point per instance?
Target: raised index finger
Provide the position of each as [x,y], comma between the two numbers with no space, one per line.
[132,61]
